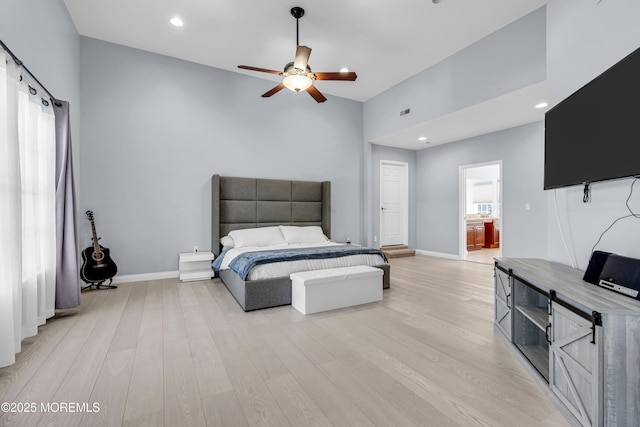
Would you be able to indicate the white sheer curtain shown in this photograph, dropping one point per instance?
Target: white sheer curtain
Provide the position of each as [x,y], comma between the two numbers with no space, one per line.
[27,211]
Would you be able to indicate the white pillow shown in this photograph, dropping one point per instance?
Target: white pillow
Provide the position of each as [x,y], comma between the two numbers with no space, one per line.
[227,242]
[264,236]
[311,234]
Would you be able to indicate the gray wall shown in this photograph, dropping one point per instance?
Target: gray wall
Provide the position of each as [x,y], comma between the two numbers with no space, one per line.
[42,35]
[378,153]
[155,129]
[584,39]
[521,150]
[509,59]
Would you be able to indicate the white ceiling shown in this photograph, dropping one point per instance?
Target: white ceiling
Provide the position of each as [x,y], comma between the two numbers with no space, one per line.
[488,173]
[383,41]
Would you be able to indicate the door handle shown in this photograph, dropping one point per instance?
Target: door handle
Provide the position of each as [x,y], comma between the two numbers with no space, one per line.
[546,333]
[382,208]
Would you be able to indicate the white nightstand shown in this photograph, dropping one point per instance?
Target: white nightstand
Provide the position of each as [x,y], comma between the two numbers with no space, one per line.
[195,266]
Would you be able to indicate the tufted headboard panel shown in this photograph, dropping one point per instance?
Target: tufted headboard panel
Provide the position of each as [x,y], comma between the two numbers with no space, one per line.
[238,203]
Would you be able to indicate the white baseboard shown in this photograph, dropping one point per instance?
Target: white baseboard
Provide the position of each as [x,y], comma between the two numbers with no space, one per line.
[173,274]
[438,254]
[145,276]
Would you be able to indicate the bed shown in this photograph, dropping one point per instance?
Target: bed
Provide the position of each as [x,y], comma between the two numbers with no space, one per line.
[244,203]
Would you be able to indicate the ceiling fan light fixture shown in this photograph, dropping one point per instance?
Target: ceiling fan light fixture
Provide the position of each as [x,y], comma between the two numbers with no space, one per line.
[296,79]
[297,82]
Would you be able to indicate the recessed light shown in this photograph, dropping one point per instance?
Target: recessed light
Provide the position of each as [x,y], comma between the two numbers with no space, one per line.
[344,70]
[422,138]
[541,105]
[176,21]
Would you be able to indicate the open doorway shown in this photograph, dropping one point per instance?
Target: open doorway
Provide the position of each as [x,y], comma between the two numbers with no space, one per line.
[481,212]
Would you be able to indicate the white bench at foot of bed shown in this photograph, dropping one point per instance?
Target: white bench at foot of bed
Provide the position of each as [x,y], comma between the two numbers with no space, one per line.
[322,290]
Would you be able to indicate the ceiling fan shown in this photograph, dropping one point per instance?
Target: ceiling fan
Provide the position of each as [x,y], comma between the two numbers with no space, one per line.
[297,74]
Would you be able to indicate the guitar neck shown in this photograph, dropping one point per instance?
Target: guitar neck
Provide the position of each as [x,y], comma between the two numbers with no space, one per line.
[96,246]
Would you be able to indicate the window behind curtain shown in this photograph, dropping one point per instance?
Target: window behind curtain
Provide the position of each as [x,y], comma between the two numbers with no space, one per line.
[27,210]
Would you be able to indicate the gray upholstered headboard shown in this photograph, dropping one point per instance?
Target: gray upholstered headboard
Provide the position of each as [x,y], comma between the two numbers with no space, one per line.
[238,203]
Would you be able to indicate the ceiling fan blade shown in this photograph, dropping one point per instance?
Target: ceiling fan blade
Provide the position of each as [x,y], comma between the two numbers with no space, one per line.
[273,91]
[262,70]
[350,75]
[315,94]
[302,57]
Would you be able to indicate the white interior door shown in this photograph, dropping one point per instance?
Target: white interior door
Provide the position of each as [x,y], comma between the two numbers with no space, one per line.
[393,203]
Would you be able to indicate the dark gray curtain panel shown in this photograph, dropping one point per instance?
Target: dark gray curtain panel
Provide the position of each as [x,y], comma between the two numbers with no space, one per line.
[67,273]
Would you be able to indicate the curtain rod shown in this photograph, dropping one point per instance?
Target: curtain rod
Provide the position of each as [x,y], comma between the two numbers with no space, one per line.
[24,67]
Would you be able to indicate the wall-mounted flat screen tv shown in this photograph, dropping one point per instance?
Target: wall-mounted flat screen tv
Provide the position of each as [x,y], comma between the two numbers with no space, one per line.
[594,134]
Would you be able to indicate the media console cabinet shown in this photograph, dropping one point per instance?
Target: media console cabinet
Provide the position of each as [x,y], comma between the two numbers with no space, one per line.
[580,342]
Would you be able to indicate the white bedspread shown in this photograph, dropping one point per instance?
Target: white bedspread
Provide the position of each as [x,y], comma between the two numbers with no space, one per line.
[285,268]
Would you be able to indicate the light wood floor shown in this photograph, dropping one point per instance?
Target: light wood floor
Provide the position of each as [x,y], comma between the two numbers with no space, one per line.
[184,354]
[484,255]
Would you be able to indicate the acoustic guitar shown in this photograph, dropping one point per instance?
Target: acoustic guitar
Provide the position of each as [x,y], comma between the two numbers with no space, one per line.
[97,265]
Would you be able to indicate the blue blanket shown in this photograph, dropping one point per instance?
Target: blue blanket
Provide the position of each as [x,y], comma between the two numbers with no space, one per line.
[217,263]
[243,263]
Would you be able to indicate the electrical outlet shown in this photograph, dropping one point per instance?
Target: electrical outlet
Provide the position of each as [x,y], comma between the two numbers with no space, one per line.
[375,238]
[195,249]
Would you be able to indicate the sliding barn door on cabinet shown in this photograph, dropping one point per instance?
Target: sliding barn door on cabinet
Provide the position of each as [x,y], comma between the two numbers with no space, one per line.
[503,301]
[575,364]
